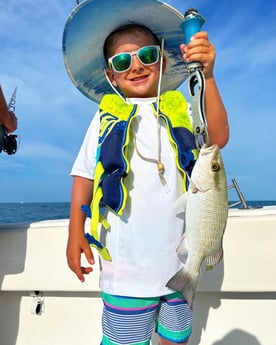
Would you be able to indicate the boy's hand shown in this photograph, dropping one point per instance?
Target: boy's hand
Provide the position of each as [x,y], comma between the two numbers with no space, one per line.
[200,49]
[75,247]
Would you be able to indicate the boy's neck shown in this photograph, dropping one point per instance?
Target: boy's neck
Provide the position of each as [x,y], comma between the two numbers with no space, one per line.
[132,100]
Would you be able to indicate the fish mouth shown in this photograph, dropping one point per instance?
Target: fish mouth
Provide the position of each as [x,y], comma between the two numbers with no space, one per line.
[205,150]
[212,150]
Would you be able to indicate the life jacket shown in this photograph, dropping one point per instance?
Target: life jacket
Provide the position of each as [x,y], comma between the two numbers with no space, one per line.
[112,164]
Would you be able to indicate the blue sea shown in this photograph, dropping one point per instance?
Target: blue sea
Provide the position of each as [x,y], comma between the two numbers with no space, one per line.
[36,211]
[28,212]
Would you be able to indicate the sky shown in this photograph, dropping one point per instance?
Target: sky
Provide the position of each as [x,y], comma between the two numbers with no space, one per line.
[53,115]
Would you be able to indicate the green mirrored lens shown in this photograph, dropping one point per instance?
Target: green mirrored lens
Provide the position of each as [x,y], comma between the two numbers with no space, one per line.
[121,62]
[148,55]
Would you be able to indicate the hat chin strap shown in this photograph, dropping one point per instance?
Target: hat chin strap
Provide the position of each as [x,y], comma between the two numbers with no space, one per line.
[113,87]
[159,81]
[160,73]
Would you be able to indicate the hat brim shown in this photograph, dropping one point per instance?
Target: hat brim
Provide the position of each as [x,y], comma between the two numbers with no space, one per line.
[93,20]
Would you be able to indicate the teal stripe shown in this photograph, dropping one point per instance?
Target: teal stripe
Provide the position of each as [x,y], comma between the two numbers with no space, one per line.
[129,302]
[174,336]
[175,296]
[106,341]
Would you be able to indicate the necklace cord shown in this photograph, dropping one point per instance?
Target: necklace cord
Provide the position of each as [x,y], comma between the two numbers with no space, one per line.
[158,162]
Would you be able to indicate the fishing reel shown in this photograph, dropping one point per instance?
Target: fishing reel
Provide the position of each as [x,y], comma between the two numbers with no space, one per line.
[8,142]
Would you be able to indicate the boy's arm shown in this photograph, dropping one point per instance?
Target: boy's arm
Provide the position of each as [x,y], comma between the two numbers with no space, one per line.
[200,49]
[216,115]
[7,118]
[82,191]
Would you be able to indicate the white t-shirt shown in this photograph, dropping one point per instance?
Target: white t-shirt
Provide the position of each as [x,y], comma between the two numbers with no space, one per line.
[142,242]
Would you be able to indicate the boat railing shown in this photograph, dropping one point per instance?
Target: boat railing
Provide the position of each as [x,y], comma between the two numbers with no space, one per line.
[241,200]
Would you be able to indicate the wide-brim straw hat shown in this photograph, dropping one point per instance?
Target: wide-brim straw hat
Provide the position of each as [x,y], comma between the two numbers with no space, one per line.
[92,21]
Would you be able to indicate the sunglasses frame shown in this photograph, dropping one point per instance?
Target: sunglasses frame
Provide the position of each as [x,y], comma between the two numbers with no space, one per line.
[135,52]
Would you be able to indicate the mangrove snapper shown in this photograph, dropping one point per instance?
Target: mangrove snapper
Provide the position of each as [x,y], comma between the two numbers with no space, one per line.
[206,210]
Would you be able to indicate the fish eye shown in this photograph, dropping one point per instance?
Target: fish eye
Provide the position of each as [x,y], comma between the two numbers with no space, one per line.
[215,166]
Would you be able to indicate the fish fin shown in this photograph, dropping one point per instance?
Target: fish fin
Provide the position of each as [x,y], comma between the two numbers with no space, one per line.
[180,203]
[193,187]
[183,282]
[182,249]
[214,259]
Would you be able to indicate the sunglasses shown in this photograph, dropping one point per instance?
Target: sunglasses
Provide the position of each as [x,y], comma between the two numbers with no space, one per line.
[122,62]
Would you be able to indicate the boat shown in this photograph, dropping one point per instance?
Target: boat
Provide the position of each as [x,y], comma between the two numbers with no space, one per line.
[43,303]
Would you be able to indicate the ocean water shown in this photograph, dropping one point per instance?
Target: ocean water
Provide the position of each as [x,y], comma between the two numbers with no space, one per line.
[33,211]
[37,211]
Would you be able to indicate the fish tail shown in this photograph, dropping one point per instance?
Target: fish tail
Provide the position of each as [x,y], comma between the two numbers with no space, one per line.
[183,282]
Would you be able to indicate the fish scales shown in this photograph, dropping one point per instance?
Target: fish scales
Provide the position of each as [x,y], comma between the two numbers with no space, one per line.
[206,209]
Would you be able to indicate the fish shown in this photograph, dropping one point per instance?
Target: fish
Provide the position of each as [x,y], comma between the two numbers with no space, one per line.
[206,210]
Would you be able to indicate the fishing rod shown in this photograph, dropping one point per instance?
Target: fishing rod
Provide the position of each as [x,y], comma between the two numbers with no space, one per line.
[192,24]
[11,105]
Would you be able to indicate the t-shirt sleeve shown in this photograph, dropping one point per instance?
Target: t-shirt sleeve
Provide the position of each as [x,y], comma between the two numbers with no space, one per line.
[85,163]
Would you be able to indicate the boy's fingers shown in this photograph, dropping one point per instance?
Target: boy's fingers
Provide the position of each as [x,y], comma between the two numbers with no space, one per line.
[76,268]
[86,270]
[89,256]
[87,250]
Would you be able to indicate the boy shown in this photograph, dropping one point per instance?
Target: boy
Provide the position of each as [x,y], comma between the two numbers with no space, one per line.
[134,161]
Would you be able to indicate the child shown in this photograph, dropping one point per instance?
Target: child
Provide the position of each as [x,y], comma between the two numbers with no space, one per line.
[134,162]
